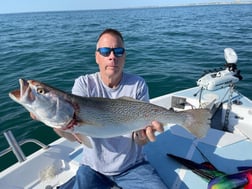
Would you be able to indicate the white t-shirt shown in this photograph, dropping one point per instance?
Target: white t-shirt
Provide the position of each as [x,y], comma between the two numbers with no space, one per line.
[112,156]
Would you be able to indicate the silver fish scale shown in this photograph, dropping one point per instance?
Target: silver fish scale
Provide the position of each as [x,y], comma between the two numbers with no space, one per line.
[119,110]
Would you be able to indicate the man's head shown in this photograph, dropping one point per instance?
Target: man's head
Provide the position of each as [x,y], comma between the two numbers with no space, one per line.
[110,55]
[112,32]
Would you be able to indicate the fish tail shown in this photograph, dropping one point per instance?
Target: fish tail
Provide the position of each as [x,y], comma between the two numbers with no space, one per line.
[197,121]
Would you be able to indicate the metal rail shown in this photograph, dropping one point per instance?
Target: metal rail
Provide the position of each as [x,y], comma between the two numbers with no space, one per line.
[16,146]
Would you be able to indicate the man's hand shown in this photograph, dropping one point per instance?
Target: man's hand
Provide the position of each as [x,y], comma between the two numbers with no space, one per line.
[148,134]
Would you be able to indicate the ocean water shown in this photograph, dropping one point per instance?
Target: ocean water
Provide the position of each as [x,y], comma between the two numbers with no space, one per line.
[169,47]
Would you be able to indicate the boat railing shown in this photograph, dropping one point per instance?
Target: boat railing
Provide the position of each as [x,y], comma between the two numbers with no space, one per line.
[16,146]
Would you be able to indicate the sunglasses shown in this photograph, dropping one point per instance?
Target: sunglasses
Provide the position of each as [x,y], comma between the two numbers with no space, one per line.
[105,51]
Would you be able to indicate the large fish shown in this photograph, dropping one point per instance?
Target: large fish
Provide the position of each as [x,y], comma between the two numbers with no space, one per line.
[101,117]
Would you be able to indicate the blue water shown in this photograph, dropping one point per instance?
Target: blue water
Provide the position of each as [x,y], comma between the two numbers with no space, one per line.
[169,47]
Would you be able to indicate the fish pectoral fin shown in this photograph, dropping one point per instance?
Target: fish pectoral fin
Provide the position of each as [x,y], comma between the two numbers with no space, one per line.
[83,139]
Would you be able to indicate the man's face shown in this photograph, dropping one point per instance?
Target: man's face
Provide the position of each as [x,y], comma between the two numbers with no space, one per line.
[110,66]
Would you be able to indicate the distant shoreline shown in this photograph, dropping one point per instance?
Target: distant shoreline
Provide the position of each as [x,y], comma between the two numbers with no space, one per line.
[142,7]
[193,4]
[218,3]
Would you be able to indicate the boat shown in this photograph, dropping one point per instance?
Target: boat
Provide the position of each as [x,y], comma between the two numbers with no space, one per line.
[226,146]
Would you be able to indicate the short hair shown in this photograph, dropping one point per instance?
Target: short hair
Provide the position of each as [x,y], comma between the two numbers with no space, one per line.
[112,32]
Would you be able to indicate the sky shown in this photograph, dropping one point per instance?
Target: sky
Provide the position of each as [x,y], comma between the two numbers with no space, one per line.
[16,6]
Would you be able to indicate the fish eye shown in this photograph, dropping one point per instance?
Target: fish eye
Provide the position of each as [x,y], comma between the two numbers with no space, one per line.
[40,90]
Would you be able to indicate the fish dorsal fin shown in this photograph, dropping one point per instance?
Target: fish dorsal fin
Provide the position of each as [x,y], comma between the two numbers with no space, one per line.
[129,99]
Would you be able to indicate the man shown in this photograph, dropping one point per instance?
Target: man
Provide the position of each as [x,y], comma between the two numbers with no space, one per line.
[117,161]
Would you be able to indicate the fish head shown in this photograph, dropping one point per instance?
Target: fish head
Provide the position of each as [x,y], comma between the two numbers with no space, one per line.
[49,105]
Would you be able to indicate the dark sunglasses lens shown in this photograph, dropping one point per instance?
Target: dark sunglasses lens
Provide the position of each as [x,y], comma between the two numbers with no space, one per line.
[118,51]
[105,51]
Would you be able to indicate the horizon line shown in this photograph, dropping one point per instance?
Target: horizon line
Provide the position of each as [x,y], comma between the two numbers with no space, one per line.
[140,7]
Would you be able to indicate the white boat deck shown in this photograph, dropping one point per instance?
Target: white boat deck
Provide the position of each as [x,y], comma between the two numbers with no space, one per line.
[225,150]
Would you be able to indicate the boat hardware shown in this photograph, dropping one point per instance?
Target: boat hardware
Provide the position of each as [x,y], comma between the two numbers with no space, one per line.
[16,146]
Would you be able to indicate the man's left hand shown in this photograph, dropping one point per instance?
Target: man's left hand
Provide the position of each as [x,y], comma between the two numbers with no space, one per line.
[148,134]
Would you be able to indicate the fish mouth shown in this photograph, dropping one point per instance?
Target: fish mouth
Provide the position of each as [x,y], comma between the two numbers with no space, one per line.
[18,94]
